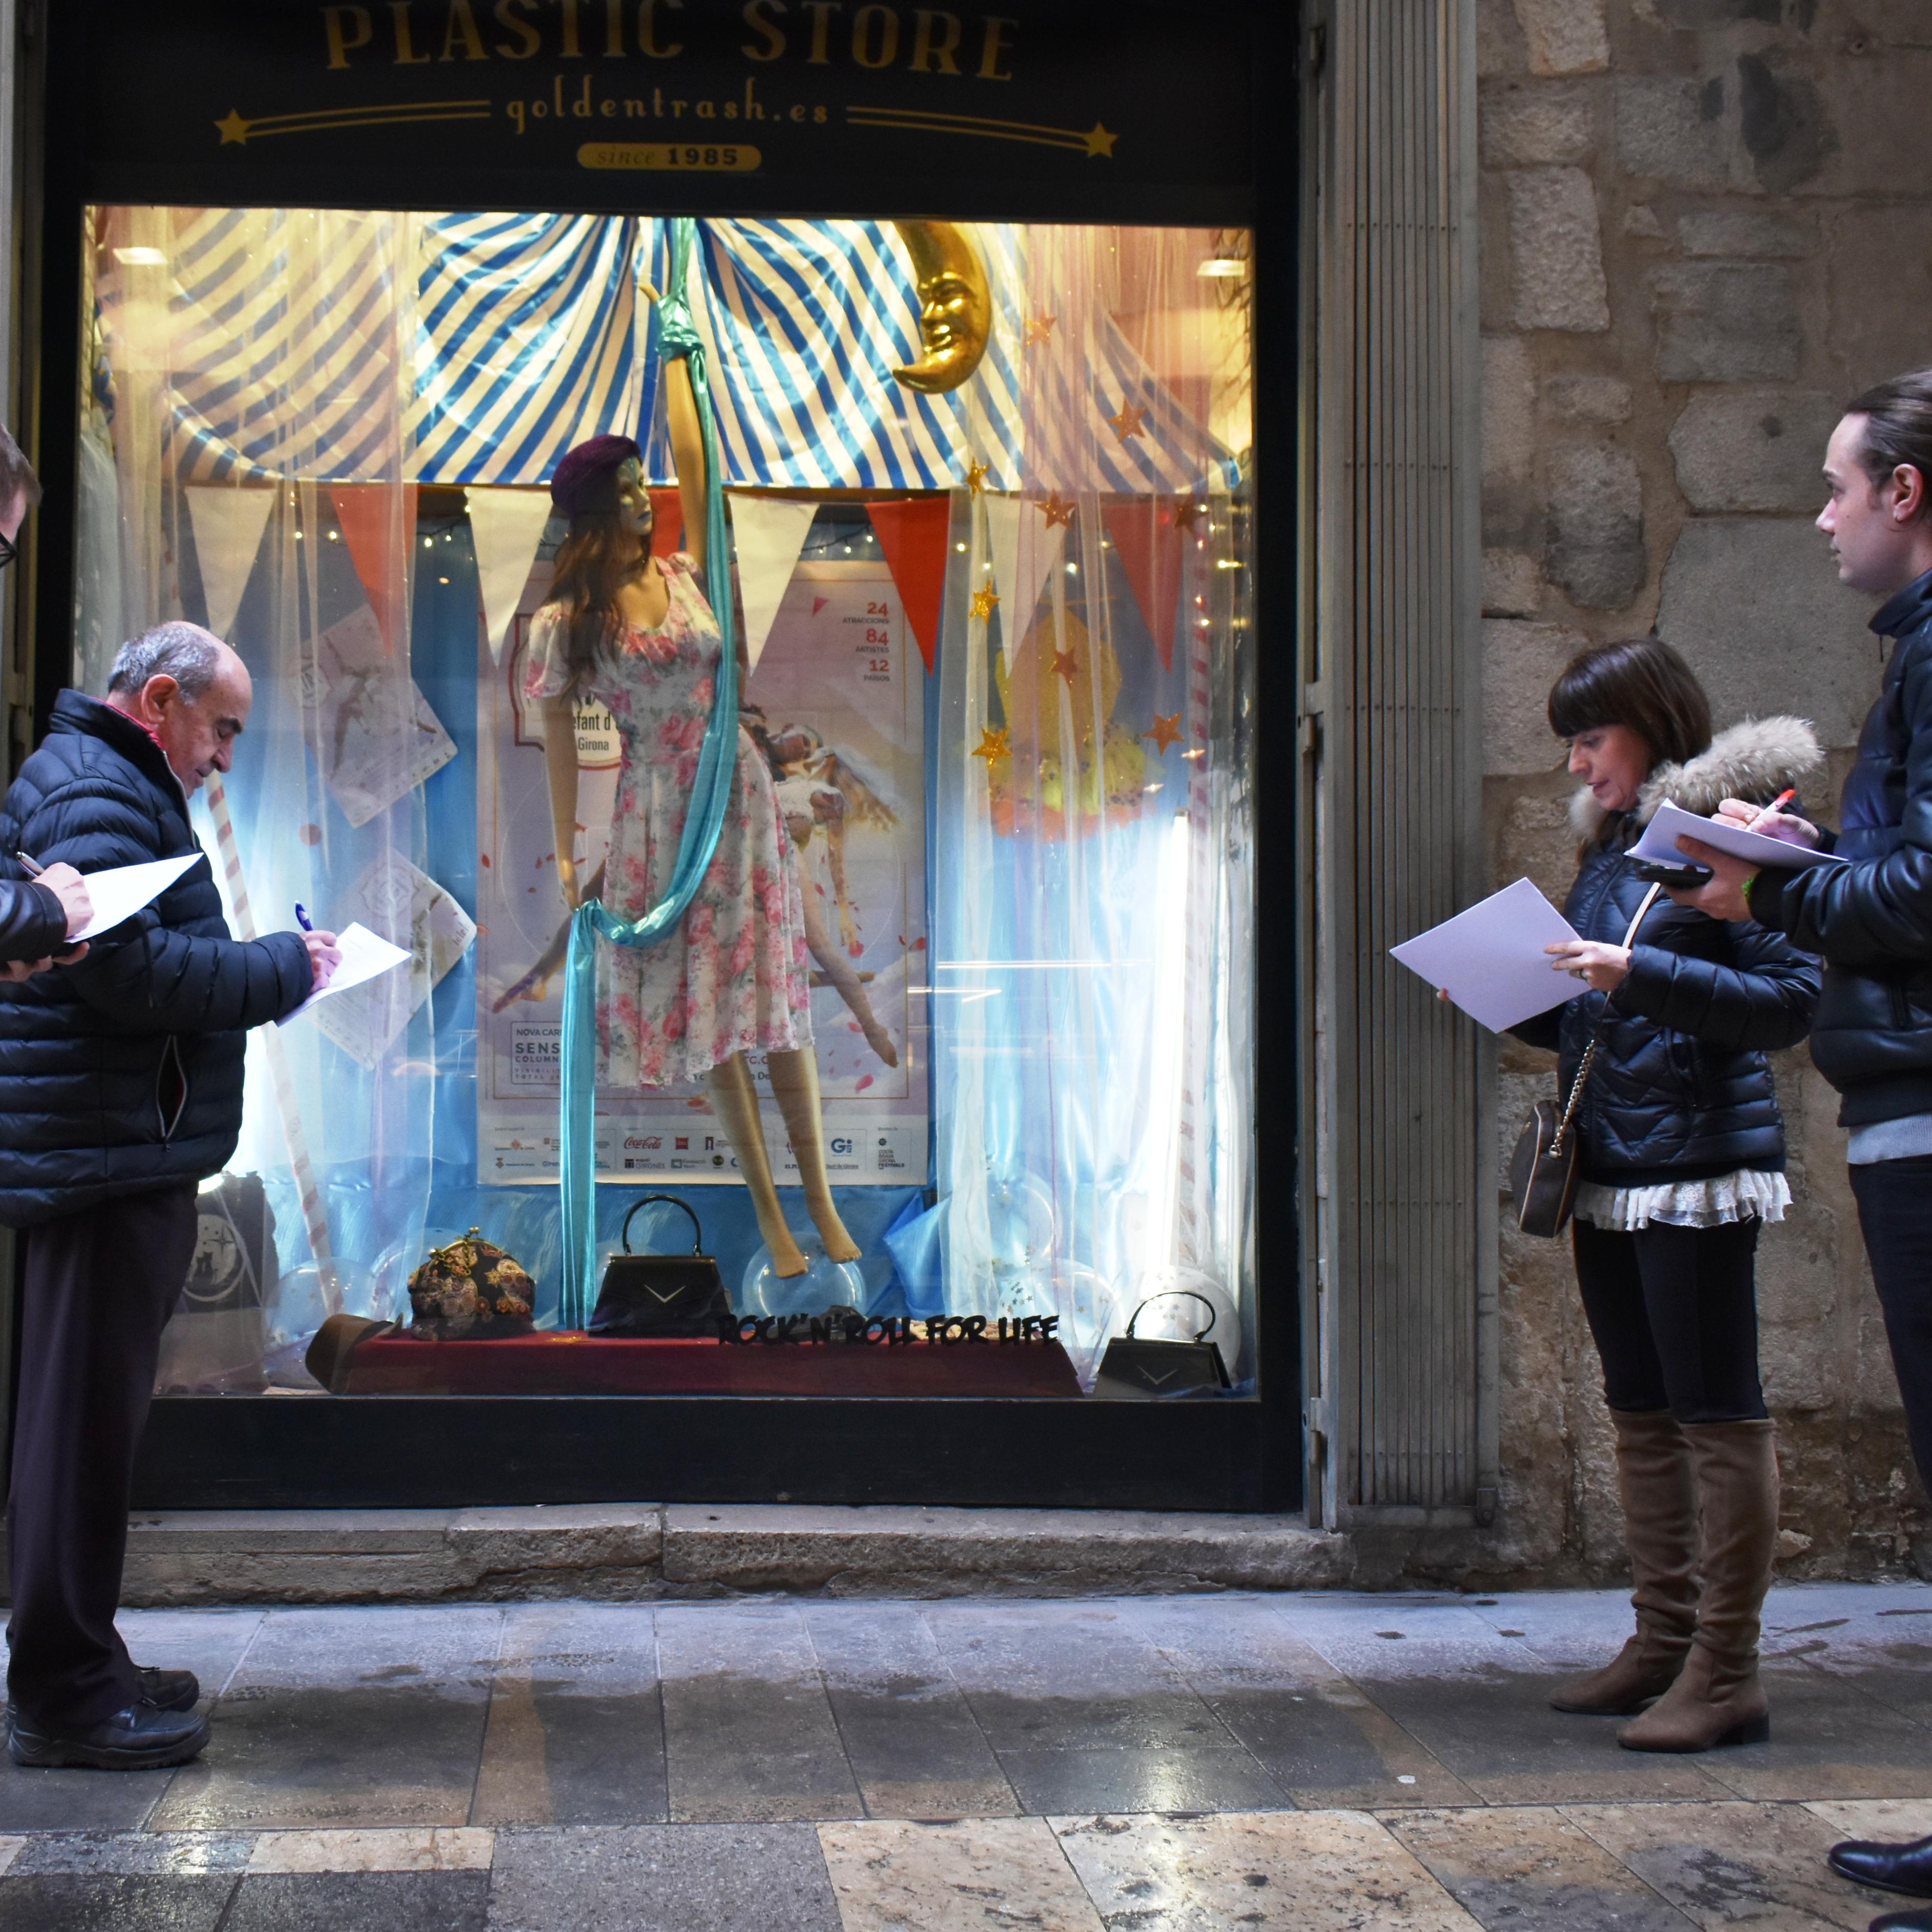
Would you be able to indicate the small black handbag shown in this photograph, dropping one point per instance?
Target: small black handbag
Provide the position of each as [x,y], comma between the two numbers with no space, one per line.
[661,1296]
[1547,1165]
[1144,1367]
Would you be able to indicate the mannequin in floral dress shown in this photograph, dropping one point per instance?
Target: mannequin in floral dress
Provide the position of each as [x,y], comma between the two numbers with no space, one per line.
[635,632]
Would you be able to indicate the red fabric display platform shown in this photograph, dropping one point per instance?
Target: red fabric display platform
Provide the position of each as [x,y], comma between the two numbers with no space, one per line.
[578,1364]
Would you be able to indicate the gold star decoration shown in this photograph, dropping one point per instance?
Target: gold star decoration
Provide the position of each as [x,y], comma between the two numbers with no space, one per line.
[1128,422]
[1166,731]
[992,745]
[1187,511]
[983,601]
[1056,510]
[976,474]
[1100,142]
[1040,329]
[234,129]
[1064,665]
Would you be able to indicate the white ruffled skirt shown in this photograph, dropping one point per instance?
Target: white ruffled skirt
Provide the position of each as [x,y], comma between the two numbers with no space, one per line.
[1685,1204]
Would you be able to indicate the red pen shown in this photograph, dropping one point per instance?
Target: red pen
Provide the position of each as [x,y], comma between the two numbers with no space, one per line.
[1770,810]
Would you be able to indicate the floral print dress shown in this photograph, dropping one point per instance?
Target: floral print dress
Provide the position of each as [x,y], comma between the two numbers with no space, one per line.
[733,978]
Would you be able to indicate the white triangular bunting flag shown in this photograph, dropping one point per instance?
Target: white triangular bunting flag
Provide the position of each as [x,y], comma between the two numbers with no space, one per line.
[505,526]
[1025,547]
[228,525]
[768,533]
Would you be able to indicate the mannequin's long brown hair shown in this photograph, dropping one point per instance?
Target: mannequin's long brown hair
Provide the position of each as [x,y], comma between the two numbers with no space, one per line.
[594,562]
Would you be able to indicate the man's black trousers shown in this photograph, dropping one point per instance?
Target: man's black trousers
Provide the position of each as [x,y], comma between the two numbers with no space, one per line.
[100,1288]
[1895,1215]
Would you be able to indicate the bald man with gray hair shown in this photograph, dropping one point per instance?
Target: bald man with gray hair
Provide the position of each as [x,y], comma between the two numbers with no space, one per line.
[121,1082]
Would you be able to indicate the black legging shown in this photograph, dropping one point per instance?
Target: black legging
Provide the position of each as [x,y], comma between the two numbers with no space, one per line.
[1674,1314]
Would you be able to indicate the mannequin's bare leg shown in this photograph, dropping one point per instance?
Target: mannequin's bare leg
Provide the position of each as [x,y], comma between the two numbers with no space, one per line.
[795,1087]
[838,970]
[735,1101]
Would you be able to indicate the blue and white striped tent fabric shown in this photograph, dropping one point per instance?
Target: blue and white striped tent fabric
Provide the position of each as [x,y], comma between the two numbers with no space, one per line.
[529,337]
[280,340]
[530,334]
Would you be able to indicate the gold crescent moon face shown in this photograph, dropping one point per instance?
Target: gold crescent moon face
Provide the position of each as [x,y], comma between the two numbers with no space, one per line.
[954,308]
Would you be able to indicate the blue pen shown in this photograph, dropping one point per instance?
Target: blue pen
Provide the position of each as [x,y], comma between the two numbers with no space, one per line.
[302,917]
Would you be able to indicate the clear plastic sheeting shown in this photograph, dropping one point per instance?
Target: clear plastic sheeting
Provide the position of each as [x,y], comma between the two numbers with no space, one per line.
[1092,971]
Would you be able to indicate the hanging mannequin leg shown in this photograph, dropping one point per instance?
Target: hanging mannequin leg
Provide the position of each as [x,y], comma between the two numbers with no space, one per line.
[795,1087]
[735,1101]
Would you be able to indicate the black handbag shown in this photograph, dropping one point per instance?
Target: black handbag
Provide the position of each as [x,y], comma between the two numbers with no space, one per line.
[661,1296]
[1142,1366]
[1544,1169]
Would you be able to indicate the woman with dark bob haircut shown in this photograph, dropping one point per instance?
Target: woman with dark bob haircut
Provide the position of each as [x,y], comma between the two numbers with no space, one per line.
[1681,1157]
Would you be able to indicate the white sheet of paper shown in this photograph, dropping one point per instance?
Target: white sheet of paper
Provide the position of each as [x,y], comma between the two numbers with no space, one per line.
[1490,960]
[365,956]
[1659,842]
[120,891]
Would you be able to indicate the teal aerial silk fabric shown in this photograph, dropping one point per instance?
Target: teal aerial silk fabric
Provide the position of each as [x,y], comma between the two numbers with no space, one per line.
[717,771]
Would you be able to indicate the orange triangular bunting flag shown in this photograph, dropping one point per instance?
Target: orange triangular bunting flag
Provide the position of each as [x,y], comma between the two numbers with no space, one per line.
[913,534]
[379,525]
[1148,542]
[667,522]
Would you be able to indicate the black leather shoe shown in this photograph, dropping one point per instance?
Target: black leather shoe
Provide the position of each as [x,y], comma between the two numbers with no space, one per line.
[1906,1868]
[170,1689]
[140,1738]
[1903,1921]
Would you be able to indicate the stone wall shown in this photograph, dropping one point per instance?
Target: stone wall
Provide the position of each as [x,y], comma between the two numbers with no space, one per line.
[1705,223]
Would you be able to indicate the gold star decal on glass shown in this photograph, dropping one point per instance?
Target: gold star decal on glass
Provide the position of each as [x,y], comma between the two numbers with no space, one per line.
[976,473]
[1065,665]
[234,129]
[992,745]
[1040,329]
[983,601]
[1128,422]
[1166,731]
[1056,509]
[1100,142]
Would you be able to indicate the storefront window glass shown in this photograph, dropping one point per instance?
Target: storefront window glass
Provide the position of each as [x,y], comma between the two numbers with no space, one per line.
[990,502]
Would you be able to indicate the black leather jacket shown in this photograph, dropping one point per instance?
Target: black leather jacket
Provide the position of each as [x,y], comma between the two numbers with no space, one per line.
[1680,1089]
[1872,919]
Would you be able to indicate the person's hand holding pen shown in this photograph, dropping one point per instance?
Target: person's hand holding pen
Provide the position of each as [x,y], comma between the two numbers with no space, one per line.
[70,889]
[324,955]
[1722,896]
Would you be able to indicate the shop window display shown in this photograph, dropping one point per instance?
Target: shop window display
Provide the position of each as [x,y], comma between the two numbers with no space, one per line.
[949,1051]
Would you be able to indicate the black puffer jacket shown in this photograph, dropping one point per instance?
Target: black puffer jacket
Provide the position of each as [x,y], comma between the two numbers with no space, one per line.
[1872,918]
[1680,1090]
[124,1073]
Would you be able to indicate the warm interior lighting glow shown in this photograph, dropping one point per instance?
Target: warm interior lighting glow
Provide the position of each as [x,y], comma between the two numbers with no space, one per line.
[1222,268]
[141,258]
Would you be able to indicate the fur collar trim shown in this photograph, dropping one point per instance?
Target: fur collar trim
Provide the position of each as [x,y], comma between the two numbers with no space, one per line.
[1756,760]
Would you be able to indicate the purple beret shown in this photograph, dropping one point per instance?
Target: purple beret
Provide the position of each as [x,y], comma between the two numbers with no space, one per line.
[584,464]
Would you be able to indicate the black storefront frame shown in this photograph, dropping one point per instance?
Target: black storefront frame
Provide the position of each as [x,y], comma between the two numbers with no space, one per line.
[450,1451]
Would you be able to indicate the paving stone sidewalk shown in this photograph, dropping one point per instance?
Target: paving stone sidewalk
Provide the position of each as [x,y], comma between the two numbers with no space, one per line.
[1309,1761]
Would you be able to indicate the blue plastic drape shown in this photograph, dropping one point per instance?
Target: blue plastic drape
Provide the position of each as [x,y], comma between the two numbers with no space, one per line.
[717,770]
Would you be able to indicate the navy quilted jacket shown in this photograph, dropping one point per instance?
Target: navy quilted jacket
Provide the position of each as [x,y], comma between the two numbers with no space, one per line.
[1680,1090]
[1872,918]
[124,1073]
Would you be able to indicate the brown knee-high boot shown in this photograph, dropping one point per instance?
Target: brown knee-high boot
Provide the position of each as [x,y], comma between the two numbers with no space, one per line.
[1654,1482]
[1718,1699]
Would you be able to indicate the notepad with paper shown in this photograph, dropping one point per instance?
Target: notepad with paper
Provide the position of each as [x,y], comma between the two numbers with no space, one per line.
[1490,960]
[120,891]
[365,956]
[1659,842]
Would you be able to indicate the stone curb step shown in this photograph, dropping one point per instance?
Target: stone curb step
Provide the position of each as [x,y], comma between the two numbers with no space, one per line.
[627,1552]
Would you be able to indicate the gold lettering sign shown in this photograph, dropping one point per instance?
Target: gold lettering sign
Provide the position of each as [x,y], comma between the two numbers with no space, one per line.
[685,157]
